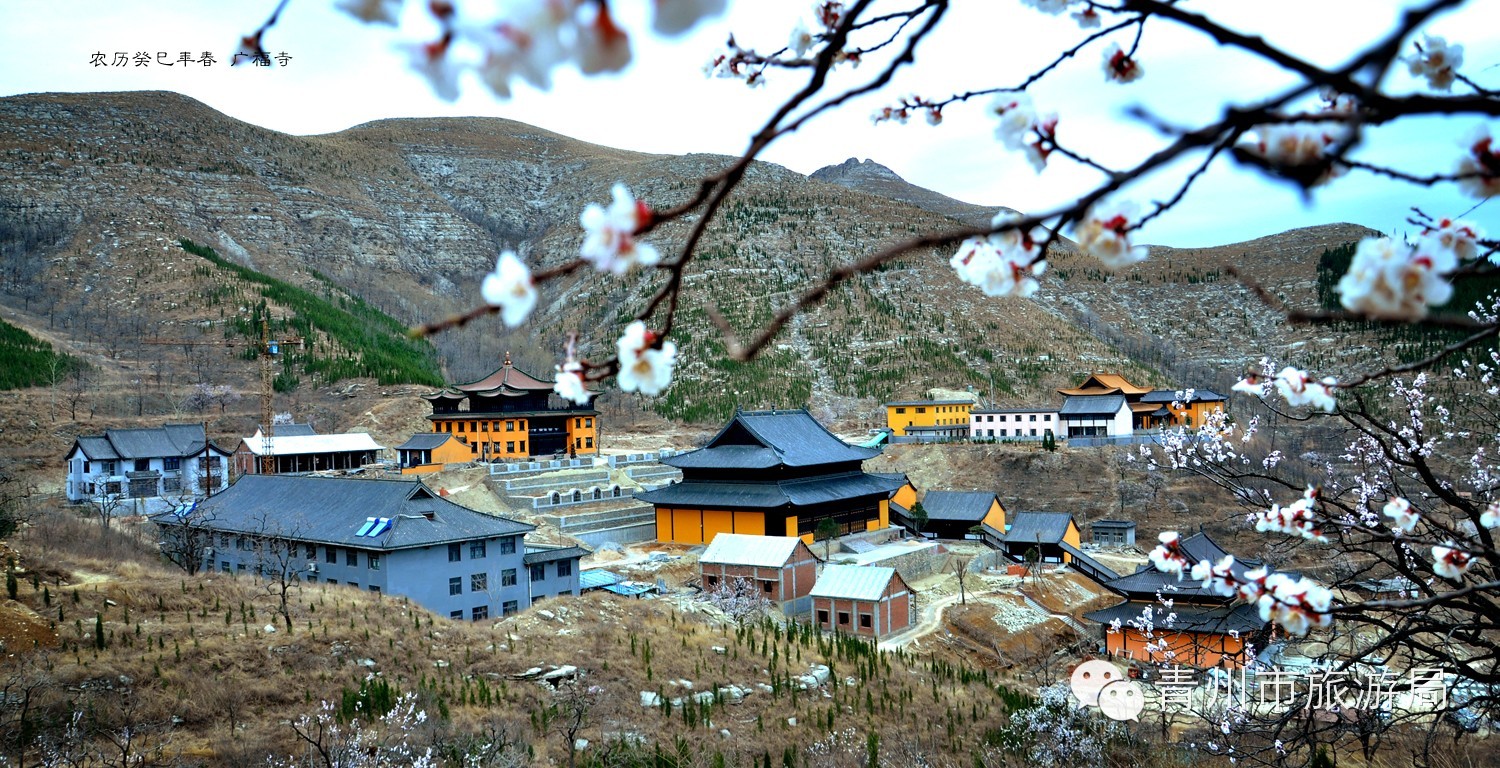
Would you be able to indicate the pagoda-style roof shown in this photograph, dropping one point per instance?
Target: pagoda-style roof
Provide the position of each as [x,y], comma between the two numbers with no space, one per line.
[508,380]
[1105,384]
[803,492]
[1147,581]
[768,439]
[1220,620]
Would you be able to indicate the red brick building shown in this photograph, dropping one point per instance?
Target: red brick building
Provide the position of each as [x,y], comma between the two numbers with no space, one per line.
[861,600]
[782,568]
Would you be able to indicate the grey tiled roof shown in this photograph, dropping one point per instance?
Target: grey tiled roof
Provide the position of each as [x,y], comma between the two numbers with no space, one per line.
[1224,619]
[1091,405]
[1037,527]
[547,555]
[765,439]
[330,510]
[177,440]
[293,430]
[425,441]
[1148,580]
[1170,395]
[768,495]
[967,506]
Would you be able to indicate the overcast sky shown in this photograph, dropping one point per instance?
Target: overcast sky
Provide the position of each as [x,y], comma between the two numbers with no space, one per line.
[342,73]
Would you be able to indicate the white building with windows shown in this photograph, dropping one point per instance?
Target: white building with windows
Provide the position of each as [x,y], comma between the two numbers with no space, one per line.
[1013,423]
[143,471]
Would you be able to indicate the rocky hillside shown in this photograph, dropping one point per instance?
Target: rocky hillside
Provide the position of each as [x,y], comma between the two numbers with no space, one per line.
[408,214]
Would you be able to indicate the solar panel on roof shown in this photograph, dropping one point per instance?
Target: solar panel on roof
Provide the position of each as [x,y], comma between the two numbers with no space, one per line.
[381,525]
[364,529]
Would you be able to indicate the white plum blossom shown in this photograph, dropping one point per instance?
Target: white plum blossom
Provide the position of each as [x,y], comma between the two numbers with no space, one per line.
[528,44]
[1490,517]
[510,287]
[644,368]
[372,11]
[1168,556]
[1002,264]
[1298,150]
[1450,562]
[1459,237]
[1088,18]
[1397,281]
[609,241]
[801,40]
[1216,577]
[1295,605]
[1054,7]
[674,17]
[1022,127]
[1105,234]
[1402,514]
[601,45]
[1298,389]
[1436,61]
[1119,67]
[431,60]
[1479,171]
[1297,518]
[569,382]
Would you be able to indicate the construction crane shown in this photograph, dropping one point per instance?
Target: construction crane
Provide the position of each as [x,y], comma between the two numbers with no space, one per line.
[268,349]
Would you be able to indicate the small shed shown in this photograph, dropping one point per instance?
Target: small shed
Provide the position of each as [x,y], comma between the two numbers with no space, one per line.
[431,451]
[955,514]
[1120,533]
[861,600]
[1044,532]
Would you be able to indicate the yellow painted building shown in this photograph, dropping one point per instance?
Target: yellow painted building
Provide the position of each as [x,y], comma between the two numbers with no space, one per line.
[919,414]
[1153,408]
[511,415]
[771,473]
[430,452]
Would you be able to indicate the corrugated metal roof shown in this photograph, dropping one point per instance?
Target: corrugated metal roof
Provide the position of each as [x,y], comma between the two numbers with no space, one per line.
[596,578]
[853,582]
[742,549]
[294,445]
[288,430]
[425,441]
[1091,405]
[762,439]
[967,506]
[1037,527]
[332,510]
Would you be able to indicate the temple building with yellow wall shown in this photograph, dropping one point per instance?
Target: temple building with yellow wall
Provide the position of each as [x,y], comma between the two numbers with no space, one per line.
[511,414]
[771,473]
[944,418]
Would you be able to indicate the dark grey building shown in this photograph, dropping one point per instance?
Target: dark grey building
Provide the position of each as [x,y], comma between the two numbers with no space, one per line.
[390,536]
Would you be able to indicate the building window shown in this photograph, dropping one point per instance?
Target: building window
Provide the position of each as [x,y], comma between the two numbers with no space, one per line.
[510,426]
[767,586]
[456,585]
[351,558]
[170,464]
[1033,431]
[588,442]
[864,620]
[510,446]
[479,582]
[330,555]
[312,551]
[510,607]
[312,578]
[331,582]
[1047,417]
[921,410]
[454,553]
[476,550]
[523,446]
[224,566]
[900,410]
[589,422]
[843,619]
[508,545]
[239,568]
[373,561]
[508,577]
[538,571]
[354,584]
[375,589]
[456,615]
[1033,417]
[565,568]
[481,612]
[822,617]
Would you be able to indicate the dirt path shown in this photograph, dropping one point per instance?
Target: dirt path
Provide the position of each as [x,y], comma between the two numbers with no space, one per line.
[926,626]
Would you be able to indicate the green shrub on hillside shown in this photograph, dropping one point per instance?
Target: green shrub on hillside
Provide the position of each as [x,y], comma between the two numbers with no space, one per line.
[26,361]
[365,341]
